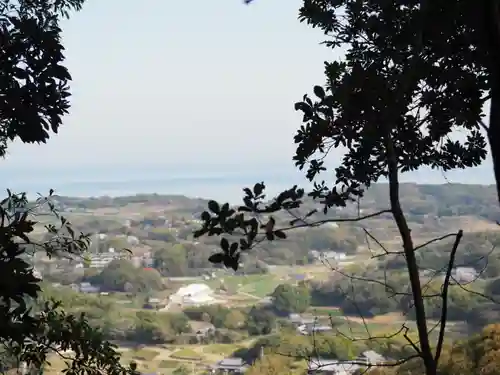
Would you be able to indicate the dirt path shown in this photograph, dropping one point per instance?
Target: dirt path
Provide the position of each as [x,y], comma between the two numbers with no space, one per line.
[249,295]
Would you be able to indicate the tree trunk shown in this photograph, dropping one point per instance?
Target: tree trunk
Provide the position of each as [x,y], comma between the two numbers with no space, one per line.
[492,24]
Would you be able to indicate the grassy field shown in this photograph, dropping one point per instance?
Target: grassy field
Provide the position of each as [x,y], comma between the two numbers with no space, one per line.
[255,285]
[263,285]
[187,354]
[260,286]
[166,358]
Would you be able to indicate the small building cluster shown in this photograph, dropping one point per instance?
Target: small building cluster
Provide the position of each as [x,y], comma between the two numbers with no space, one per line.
[103,259]
[339,367]
[235,366]
[308,325]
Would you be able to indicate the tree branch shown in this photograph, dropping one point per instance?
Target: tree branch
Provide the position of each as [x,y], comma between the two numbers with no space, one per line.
[446,286]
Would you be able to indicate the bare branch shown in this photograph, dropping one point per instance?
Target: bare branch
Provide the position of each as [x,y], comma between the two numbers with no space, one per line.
[344,220]
[437,239]
[446,285]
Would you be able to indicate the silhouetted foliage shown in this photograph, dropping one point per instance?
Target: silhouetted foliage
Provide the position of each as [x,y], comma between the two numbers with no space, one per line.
[34,83]
[413,74]
[34,96]
[31,335]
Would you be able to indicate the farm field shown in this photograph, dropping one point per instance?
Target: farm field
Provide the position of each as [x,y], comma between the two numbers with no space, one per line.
[166,358]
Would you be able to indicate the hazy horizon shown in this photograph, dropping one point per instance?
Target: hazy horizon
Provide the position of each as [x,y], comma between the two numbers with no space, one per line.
[183,93]
[223,185]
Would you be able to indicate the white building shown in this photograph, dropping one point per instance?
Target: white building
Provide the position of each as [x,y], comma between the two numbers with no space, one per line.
[336,367]
[331,367]
[132,240]
[103,259]
[194,295]
[372,358]
[464,274]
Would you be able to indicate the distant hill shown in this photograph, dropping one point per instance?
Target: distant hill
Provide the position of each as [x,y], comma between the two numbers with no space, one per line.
[169,202]
[446,200]
[440,200]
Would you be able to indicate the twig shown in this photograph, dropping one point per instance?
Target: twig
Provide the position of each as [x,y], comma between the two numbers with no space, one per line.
[342,220]
[435,240]
[446,286]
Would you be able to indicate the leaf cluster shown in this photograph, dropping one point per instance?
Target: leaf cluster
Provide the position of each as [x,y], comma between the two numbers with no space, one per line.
[32,335]
[260,225]
[34,87]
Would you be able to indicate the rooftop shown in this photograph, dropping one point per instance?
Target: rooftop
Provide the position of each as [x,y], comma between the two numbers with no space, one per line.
[229,363]
[331,365]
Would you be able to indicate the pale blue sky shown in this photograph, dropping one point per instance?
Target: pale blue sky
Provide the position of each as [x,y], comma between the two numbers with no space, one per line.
[172,81]
[164,82]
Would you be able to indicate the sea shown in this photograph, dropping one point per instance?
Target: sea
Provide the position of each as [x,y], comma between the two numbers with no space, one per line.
[220,184]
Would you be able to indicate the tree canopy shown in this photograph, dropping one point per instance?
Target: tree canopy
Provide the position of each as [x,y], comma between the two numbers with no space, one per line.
[291,299]
[121,275]
[408,92]
[34,93]
[35,85]
[435,62]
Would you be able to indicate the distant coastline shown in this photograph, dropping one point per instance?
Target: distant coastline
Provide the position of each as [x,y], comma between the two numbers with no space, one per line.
[211,183]
[224,189]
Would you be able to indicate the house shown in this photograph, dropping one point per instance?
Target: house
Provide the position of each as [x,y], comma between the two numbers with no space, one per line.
[205,331]
[311,329]
[372,358]
[103,259]
[154,303]
[331,367]
[333,255]
[88,288]
[230,366]
[193,295]
[298,278]
[299,320]
[267,300]
[202,330]
[132,240]
[464,274]
[315,254]
[327,255]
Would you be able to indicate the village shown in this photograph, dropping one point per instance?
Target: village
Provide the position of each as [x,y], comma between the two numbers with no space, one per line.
[204,290]
[143,266]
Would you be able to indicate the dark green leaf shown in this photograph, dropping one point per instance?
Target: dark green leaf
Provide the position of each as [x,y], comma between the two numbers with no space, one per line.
[280,234]
[216,258]
[224,244]
[214,207]
[258,189]
[319,92]
[233,248]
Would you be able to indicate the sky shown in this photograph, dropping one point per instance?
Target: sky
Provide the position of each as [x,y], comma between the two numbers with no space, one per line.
[185,87]
[189,82]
